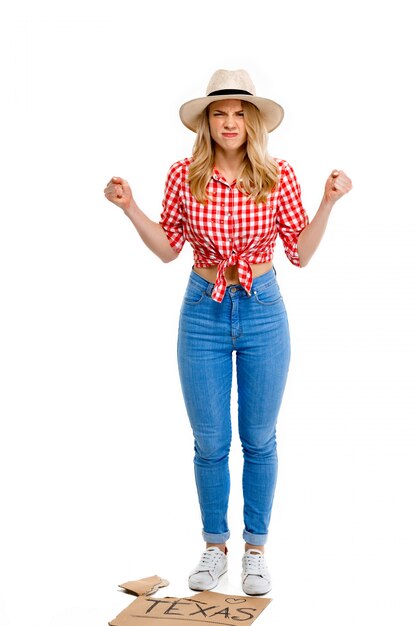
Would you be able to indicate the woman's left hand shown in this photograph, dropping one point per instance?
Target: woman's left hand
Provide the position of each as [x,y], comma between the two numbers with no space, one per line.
[337,185]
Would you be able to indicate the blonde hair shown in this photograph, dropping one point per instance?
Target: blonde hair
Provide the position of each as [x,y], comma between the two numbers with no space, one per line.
[259,172]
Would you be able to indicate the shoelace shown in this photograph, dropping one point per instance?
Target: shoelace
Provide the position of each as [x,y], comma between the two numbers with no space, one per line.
[254,564]
[208,560]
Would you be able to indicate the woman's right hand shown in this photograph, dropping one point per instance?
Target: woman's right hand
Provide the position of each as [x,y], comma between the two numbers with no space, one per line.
[152,234]
[119,192]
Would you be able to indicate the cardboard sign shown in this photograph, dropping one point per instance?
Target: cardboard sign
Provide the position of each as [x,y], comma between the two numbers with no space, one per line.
[144,586]
[206,607]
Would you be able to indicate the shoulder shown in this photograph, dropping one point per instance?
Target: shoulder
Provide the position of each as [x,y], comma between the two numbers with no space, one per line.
[177,176]
[179,168]
[284,167]
[287,177]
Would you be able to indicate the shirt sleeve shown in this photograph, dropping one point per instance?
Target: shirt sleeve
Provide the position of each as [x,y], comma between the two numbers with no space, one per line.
[291,216]
[171,216]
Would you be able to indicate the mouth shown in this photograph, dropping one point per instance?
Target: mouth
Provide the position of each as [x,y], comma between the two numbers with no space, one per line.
[229,135]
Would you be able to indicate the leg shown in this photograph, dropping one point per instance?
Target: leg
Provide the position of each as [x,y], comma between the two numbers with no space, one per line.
[205,367]
[262,366]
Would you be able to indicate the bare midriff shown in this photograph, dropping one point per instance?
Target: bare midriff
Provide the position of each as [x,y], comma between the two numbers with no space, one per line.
[231,273]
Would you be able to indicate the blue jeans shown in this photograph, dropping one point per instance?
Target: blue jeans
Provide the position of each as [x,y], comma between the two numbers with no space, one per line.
[255,327]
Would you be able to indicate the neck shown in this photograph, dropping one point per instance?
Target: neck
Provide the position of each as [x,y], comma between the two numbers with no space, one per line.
[229,163]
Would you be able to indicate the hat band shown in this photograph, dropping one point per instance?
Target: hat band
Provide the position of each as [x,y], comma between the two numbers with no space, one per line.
[229,92]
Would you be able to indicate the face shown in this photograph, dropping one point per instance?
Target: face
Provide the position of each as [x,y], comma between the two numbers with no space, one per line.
[227,124]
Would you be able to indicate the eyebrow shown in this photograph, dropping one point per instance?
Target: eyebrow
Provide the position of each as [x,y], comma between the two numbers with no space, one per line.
[222,111]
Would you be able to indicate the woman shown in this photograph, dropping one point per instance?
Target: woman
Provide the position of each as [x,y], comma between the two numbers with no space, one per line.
[231,200]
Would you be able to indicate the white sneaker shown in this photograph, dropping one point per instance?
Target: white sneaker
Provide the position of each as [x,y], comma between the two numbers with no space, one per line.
[205,576]
[256,579]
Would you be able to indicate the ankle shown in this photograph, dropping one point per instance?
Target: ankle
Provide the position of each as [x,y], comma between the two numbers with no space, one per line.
[250,546]
[221,546]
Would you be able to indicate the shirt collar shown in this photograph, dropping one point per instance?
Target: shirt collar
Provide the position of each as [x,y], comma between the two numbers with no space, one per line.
[220,178]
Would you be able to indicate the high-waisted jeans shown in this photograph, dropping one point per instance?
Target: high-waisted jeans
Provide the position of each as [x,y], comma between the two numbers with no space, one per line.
[255,327]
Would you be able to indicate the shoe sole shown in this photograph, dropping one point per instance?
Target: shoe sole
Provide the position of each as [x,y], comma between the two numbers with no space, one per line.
[256,593]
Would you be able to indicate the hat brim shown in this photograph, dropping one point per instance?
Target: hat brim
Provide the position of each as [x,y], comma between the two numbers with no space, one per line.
[272,112]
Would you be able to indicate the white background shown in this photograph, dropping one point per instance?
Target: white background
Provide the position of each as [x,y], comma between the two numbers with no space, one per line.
[95,448]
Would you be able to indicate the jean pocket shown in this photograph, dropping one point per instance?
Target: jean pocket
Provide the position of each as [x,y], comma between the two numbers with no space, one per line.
[194,294]
[269,295]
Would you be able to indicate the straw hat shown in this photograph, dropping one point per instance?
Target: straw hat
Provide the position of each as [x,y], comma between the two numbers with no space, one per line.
[231,84]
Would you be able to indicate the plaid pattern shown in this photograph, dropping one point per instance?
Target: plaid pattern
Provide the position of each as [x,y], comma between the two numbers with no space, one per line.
[231,229]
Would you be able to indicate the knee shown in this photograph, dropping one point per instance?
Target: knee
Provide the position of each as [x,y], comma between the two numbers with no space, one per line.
[262,448]
[211,451]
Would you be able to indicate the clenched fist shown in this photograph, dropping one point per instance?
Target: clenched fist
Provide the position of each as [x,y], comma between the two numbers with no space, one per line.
[119,192]
[337,185]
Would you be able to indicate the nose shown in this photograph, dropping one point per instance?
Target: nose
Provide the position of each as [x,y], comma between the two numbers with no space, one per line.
[230,122]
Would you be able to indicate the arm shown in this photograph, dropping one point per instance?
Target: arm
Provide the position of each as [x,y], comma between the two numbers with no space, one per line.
[152,234]
[337,185]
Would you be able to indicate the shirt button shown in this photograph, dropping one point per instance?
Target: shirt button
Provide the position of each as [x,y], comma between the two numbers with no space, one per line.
[222,204]
[230,239]
[233,289]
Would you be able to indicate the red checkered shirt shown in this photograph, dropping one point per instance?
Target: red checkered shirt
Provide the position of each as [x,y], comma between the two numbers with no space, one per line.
[231,229]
